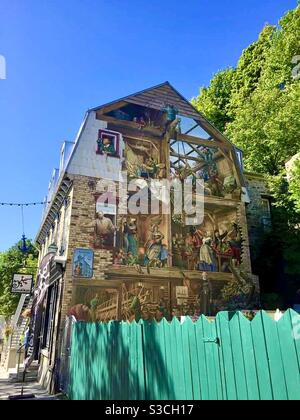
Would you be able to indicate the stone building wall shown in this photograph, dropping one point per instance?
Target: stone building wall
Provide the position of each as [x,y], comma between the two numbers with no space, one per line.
[258,218]
[81,236]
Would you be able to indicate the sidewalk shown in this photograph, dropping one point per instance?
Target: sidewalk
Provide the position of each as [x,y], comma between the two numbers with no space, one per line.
[8,387]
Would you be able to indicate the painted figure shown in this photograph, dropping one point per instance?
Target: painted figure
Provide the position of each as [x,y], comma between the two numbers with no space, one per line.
[170,111]
[235,240]
[78,270]
[205,296]
[154,247]
[119,258]
[218,242]
[104,230]
[131,237]
[208,261]
[106,146]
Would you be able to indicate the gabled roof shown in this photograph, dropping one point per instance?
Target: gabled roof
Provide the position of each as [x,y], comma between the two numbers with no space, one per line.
[157,96]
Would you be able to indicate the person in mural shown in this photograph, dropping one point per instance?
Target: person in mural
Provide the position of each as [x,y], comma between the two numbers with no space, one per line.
[119,258]
[104,230]
[164,255]
[197,235]
[106,146]
[235,240]
[136,156]
[153,169]
[154,247]
[207,155]
[205,296]
[150,168]
[208,261]
[78,269]
[214,183]
[189,252]
[226,257]
[131,233]
[218,242]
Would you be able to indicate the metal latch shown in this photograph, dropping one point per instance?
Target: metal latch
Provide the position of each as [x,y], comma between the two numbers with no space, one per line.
[215,340]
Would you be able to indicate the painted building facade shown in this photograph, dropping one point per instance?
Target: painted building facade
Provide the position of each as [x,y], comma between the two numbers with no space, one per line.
[105,262]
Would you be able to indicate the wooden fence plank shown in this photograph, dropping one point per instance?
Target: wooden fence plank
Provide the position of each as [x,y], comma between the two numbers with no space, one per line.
[249,358]
[274,357]
[217,359]
[150,348]
[226,350]
[238,357]
[209,333]
[202,362]
[295,323]
[132,368]
[195,371]
[160,335]
[186,354]
[261,357]
[179,385]
[289,356]
[141,383]
[125,356]
[166,328]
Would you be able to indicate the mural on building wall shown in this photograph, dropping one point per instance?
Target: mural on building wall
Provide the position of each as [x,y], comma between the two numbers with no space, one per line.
[147,300]
[83,261]
[142,160]
[141,242]
[217,175]
[211,247]
[162,266]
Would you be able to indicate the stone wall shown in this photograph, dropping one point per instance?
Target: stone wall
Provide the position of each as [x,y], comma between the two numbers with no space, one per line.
[258,222]
[81,236]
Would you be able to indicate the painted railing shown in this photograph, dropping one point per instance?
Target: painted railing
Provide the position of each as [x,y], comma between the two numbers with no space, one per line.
[230,358]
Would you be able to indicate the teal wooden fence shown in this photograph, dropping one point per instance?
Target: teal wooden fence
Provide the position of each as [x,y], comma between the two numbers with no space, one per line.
[228,359]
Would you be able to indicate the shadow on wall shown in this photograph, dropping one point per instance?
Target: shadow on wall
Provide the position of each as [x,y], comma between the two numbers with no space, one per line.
[118,361]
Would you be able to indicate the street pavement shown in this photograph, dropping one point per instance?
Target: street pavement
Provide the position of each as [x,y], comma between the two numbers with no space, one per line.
[9,387]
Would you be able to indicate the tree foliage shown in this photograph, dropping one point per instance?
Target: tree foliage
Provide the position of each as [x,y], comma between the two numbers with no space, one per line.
[11,262]
[294,185]
[257,106]
[214,101]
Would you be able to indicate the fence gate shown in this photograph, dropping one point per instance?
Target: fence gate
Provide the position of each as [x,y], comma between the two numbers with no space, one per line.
[231,358]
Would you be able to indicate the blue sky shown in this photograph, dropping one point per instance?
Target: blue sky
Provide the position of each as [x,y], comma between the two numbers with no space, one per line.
[64,57]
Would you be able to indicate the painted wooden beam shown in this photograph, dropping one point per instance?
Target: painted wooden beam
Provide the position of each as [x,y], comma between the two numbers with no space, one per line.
[202,142]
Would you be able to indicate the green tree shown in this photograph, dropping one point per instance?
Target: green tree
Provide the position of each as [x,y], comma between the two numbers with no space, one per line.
[257,104]
[260,113]
[294,184]
[266,122]
[11,262]
[249,69]
[214,101]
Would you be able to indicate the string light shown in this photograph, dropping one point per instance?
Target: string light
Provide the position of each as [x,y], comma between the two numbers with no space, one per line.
[40,203]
